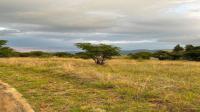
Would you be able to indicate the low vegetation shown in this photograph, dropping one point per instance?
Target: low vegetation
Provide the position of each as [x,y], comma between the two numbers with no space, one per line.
[121,85]
[101,52]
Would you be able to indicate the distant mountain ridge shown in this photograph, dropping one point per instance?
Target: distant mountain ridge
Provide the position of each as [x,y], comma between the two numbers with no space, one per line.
[125,52]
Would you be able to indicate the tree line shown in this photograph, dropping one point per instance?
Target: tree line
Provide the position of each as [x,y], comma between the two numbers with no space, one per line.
[189,52]
[102,52]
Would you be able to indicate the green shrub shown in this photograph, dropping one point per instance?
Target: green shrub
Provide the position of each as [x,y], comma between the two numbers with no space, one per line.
[193,55]
[7,52]
[82,55]
[35,54]
[141,55]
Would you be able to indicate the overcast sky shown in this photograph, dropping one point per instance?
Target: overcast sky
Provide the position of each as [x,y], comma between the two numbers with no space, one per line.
[55,25]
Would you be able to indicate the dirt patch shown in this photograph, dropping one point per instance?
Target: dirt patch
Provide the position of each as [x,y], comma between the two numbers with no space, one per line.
[11,100]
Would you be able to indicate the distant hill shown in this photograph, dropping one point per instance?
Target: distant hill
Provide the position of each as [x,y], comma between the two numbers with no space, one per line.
[125,52]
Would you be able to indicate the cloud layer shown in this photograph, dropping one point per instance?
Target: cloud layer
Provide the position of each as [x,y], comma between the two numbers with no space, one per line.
[130,24]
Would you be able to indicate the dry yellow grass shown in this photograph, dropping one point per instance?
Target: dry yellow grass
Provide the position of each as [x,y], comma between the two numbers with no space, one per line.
[122,85]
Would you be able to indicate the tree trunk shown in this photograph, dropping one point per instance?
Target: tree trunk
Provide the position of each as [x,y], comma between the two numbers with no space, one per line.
[99,60]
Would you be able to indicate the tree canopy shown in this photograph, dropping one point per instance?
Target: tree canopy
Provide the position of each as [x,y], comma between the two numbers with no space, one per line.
[6,51]
[178,48]
[2,43]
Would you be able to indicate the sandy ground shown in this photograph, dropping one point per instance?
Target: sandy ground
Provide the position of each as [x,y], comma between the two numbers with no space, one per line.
[11,100]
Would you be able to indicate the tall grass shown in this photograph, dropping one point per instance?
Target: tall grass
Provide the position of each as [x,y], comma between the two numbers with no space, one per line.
[122,85]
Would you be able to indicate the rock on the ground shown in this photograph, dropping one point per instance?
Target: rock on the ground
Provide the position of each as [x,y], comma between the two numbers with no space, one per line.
[11,100]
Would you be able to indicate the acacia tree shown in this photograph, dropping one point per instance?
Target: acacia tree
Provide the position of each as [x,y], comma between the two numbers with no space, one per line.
[2,43]
[99,53]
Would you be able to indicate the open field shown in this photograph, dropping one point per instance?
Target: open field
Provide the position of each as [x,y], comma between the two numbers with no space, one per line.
[122,85]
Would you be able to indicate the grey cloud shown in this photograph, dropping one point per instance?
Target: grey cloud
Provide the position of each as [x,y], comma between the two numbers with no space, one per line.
[44,22]
[5,31]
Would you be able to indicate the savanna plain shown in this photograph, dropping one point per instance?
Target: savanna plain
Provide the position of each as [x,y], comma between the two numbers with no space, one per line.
[121,85]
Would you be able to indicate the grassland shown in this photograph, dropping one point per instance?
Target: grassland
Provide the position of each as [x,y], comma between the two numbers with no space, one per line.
[122,85]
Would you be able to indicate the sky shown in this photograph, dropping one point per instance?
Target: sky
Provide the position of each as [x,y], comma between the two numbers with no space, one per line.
[56,25]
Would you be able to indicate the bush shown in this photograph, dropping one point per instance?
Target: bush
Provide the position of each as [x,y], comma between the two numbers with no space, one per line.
[176,55]
[162,55]
[7,52]
[25,54]
[82,55]
[193,55]
[35,54]
[141,55]
[63,54]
